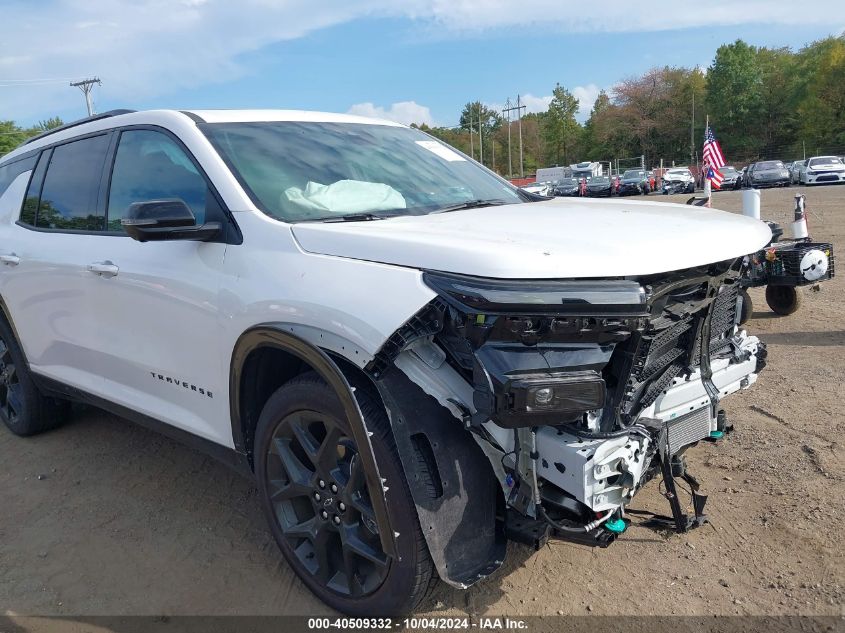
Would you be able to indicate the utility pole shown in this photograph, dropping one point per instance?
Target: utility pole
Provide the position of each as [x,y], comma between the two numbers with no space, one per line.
[86,86]
[507,113]
[519,108]
[692,132]
[480,141]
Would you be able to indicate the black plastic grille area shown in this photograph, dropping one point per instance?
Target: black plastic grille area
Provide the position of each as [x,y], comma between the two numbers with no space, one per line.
[670,346]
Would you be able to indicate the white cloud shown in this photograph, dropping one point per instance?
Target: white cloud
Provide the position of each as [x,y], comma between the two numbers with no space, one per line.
[406,112]
[478,15]
[147,48]
[586,96]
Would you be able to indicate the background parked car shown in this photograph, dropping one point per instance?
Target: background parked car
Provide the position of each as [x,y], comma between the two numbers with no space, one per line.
[566,187]
[795,171]
[731,177]
[599,186]
[766,173]
[678,180]
[539,188]
[822,169]
[634,181]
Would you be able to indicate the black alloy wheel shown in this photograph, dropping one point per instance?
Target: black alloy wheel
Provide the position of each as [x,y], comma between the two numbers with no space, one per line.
[11,396]
[319,494]
[313,489]
[23,408]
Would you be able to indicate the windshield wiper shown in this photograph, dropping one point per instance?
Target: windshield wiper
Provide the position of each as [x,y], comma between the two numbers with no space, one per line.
[470,204]
[352,217]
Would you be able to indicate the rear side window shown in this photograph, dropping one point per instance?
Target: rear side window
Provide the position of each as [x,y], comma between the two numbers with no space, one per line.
[33,192]
[149,165]
[71,186]
[10,171]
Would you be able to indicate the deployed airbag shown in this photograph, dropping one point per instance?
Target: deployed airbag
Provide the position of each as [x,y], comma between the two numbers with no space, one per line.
[346,196]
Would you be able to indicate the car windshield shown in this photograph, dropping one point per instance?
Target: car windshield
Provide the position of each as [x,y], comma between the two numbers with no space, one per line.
[770,164]
[677,172]
[825,160]
[599,180]
[727,171]
[567,182]
[632,173]
[299,171]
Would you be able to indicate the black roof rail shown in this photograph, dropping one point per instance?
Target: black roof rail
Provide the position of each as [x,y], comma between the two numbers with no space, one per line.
[95,117]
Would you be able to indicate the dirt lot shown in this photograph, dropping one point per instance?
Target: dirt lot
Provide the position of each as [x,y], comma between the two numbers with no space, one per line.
[103,517]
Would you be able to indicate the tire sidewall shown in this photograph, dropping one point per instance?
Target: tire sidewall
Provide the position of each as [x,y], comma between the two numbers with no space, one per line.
[394,597]
[29,392]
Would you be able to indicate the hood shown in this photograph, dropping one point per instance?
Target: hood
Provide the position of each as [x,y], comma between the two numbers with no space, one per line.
[553,239]
[828,166]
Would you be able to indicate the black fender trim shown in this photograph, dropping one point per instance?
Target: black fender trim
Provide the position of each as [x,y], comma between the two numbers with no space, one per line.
[273,335]
[457,517]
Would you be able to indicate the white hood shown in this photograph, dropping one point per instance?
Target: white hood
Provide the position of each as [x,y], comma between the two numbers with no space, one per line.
[557,238]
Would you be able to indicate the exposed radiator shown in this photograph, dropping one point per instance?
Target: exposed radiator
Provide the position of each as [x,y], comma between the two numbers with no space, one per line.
[689,428]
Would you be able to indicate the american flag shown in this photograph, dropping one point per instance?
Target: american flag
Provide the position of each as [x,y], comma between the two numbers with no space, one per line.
[713,159]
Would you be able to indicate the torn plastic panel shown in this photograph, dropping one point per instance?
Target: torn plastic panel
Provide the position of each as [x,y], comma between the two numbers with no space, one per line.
[578,391]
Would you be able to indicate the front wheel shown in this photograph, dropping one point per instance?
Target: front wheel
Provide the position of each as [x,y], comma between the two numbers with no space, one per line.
[783,300]
[314,493]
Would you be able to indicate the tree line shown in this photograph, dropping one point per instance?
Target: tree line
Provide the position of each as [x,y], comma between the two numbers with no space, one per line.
[12,135]
[762,103]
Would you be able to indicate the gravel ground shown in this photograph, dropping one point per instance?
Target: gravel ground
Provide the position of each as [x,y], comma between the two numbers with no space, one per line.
[105,518]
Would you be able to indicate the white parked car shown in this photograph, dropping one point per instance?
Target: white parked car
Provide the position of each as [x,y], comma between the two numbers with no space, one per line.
[413,359]
[678,180]
[540,188]
[822,170]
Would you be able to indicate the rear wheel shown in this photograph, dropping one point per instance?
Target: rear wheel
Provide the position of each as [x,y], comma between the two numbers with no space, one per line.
[23,409]
[314,493]
[783,300]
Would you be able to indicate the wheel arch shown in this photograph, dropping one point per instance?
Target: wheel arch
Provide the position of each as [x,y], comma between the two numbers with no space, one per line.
[275,346]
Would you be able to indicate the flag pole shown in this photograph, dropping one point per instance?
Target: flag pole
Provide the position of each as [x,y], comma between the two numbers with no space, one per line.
[707,186]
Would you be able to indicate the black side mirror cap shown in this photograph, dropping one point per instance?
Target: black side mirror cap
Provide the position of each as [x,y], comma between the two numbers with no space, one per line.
[160,220]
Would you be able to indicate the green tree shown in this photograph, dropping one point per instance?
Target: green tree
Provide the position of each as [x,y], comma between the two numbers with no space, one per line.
[821,111]
[12,135]
[735,98]
[560,129]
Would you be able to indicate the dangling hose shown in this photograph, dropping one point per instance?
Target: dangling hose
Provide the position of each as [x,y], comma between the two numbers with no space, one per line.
[589,527]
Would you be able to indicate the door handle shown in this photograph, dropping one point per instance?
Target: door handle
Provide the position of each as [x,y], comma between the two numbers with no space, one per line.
[103,269]
[10,260]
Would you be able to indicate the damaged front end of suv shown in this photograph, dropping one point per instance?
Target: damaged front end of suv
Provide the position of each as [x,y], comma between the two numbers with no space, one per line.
[576,393]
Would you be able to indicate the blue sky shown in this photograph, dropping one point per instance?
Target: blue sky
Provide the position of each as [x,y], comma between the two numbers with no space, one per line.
[419,62]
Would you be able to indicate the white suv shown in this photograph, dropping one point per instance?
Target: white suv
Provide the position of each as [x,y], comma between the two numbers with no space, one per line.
[415,360]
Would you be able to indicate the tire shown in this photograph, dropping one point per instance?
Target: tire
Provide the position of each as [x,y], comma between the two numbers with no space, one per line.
[746,309]
[23,408]
[303,438]
[783,300]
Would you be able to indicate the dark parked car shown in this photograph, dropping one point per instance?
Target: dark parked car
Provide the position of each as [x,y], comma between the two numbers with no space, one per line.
[634,181]
[731,178]
[600,186]
[566,187]
[767,173]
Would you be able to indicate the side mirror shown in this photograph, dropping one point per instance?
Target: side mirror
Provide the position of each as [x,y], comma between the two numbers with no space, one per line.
[160,220]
